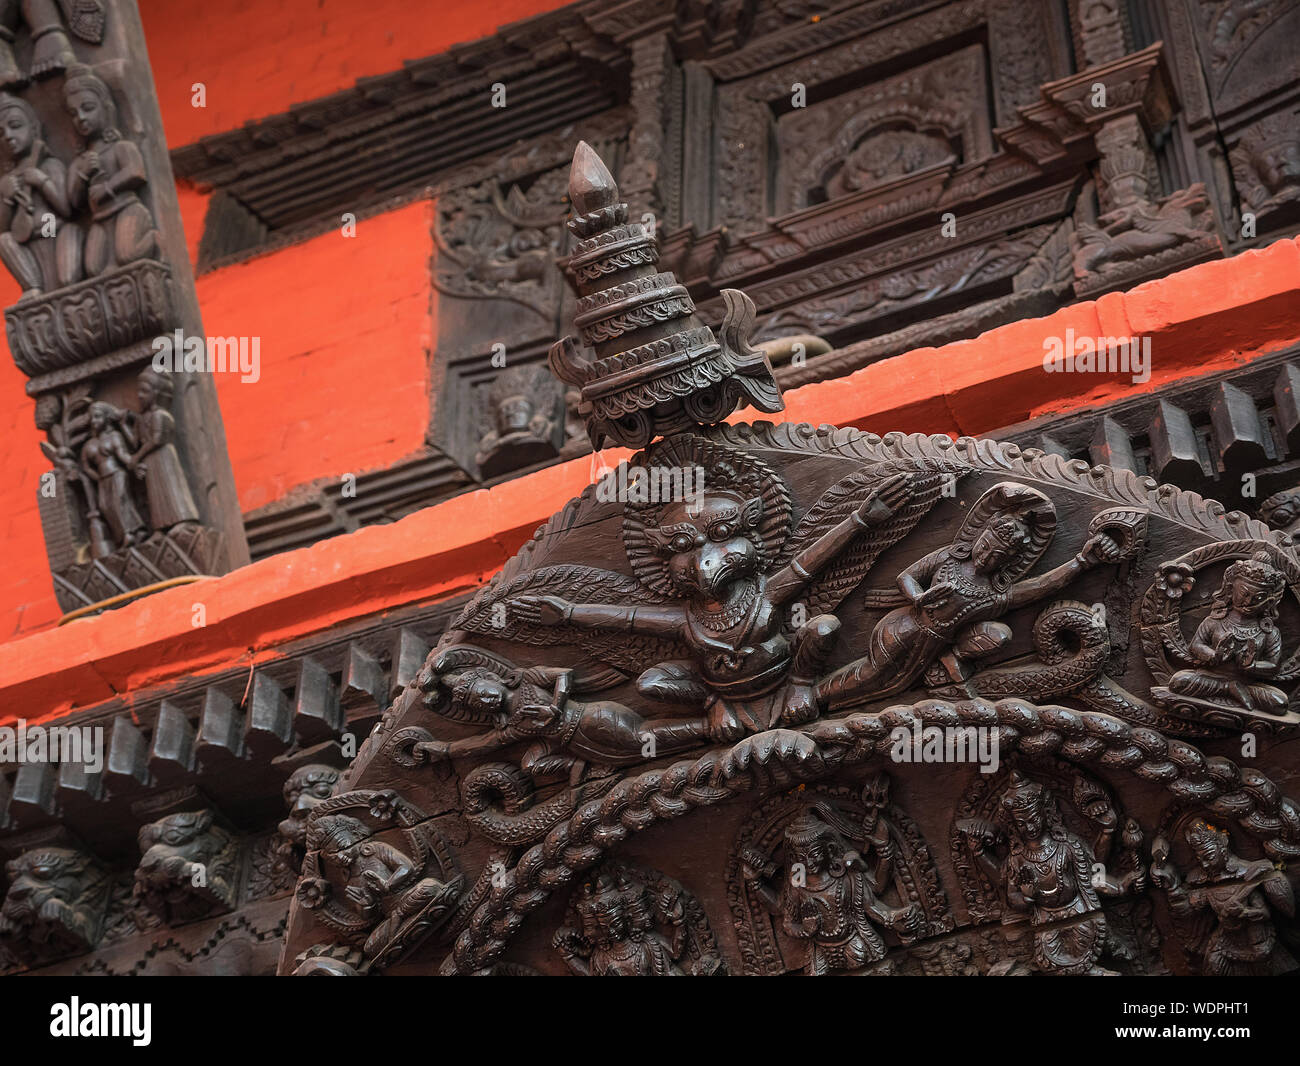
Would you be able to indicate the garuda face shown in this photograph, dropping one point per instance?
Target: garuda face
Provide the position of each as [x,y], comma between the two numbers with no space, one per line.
[709,546]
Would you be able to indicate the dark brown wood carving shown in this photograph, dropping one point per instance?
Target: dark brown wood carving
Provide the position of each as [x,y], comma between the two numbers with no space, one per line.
[784,698]
[107,330]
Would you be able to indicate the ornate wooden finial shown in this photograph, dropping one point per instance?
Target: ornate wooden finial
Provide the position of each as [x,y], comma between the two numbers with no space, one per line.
[656,369]
[591,185]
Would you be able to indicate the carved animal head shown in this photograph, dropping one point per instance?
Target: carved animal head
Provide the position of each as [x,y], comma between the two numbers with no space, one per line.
[707,549]
[36,878]
[335,835]
[307,787]
[729,528]
[1281,509]
[171,845]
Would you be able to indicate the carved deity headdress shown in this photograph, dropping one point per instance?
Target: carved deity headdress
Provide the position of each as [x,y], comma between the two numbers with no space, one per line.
[1022,793]
[1259,571]
[1023,518]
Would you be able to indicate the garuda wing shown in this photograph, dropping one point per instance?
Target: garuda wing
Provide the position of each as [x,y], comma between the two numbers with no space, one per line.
[491,614]
[929,484]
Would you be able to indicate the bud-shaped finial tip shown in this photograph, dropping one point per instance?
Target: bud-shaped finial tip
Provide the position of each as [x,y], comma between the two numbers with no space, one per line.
[591,185]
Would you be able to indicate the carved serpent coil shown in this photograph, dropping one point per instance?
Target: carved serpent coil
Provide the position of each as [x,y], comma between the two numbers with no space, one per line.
[498,803]
[782,757]
[1072,643]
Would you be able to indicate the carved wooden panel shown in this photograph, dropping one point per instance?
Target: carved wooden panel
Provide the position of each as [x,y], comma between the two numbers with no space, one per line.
[783,698]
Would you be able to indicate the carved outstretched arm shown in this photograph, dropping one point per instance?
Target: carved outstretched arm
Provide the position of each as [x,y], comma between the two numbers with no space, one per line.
[1099,548]
[876,509]
[477,745]
[553,610]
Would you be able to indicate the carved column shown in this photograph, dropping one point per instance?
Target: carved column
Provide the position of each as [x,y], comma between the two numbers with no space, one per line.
[1125,98]
[654,156]
[141,489]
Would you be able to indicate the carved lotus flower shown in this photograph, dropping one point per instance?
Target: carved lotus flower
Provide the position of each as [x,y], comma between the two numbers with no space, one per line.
[312,891]
[1175,580]
[383,805]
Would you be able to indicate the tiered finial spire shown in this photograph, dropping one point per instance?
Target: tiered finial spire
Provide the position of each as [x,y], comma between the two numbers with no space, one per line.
[647,365]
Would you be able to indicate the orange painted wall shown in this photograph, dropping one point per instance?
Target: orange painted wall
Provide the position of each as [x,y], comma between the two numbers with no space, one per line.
[1209,317]
[344,324]
[258,57]
[345,331]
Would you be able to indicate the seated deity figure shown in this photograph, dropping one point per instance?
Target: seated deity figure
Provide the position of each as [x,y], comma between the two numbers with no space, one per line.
[956,594]
[826,896]
[1242,898]
[106,457]
[156,461]
[106,178]
[384,885]
[39,248]
[1238,646]
[1135,226]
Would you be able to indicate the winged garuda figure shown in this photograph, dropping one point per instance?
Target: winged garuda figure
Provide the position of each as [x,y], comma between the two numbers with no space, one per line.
[729,610]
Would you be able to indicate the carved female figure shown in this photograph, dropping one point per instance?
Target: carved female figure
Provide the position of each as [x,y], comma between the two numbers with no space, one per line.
[105,178]
[1238,646]
[106,456]
[36,246]
[1239,896]
[956,594]
[156,460]
[826,897]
